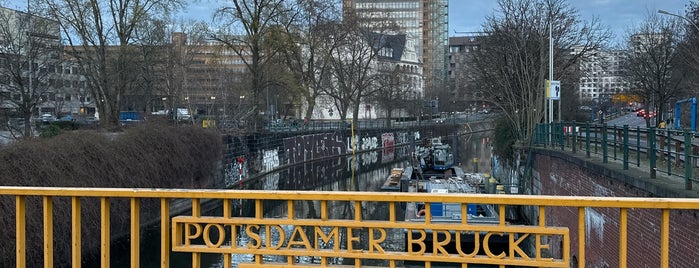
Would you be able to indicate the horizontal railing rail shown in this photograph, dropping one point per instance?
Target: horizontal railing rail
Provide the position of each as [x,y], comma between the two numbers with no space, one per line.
[329,235]
[668,151]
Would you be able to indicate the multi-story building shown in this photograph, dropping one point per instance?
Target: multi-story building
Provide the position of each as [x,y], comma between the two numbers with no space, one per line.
[601,75]
[462,89]
[30,47]
[212,76]
[203,76]
[424,22]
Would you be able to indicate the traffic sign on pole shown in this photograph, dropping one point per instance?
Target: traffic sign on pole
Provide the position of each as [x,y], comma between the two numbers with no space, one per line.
[555,90]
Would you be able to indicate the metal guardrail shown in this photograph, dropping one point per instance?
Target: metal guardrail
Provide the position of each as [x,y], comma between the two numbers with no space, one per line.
[669,151]
[328,236]
[336,125]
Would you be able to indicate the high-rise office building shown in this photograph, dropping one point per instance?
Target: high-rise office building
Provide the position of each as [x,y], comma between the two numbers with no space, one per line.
[425,24]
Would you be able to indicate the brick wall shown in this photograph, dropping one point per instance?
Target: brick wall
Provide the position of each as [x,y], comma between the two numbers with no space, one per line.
[563,175]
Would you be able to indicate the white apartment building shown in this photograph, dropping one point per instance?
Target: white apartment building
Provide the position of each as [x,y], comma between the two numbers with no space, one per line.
[30,46]
[602,75]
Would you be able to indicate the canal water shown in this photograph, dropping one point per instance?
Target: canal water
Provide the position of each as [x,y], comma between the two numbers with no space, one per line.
[473,154]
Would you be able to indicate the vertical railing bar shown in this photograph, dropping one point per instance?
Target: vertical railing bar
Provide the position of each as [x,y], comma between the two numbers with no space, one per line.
[651,152]
[581,237]
[21,230]
[623,236]
[392,212]
[196,213]
[228,258]
[597,143]
[357,211]
[616,142]
[259,214]
[105,239]
[76,232]
[290,208]
[668,142]
[135,232]
[665,239]
[324,210]
[566,249]
[501,210]
[428,213]
[626,146]
[605,144]
[687,161]
[464,213]
[638,146]
[165,233]
[542,216]
[48,231]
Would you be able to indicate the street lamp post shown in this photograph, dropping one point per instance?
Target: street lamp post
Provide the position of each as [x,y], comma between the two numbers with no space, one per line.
[211,111]
[660,11]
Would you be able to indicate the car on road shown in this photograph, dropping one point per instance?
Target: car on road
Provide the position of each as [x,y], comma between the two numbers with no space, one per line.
[644,114]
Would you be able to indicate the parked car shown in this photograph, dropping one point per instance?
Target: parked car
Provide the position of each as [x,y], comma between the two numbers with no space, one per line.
[48,118]
[130,117]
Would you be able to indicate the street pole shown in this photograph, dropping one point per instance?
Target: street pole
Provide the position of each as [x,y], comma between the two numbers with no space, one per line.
[29,50]
[550,117]
[660,11]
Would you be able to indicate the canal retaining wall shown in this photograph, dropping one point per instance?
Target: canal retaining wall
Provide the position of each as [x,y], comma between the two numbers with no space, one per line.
[248,156]
[565,174]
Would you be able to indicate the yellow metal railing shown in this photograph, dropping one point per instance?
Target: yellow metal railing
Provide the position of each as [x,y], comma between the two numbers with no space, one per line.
[329,235]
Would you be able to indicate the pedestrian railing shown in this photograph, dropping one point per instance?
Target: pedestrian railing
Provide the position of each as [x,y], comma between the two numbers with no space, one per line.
[669,151]
[322,229]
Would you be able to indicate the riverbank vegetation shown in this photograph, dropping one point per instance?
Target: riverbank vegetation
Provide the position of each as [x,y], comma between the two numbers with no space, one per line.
[139,157]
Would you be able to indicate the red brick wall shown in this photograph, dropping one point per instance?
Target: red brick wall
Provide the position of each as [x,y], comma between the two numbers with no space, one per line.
[558,176]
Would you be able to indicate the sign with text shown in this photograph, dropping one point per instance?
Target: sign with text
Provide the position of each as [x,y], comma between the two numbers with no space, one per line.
[443,242]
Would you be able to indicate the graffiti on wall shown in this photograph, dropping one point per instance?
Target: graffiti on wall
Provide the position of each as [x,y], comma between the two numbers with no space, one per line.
[315,146]
[234,172]
[270,161]
[387,154]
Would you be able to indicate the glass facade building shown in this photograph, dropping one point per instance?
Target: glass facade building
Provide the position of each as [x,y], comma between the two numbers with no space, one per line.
[425,24]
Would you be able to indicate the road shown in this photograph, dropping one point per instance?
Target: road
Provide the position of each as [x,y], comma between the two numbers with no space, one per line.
[630,119]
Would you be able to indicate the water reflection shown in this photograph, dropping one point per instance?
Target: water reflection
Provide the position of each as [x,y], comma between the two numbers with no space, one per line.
[473,154]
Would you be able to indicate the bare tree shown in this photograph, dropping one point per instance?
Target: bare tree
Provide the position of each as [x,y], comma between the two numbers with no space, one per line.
[688,48]
[354,62]
[354,65]
[512,61]
[246,26]
[30,54]
[651,55]
[395,90]
[308,57]
[101,37]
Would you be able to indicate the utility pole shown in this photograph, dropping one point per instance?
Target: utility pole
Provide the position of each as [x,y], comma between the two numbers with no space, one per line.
[550,111]
[29,47]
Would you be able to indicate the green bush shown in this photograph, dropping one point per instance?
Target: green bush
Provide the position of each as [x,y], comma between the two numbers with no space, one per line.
[505,138]
[49,131]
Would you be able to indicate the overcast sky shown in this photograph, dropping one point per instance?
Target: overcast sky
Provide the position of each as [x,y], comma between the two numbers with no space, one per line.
[468,15]
[618,15]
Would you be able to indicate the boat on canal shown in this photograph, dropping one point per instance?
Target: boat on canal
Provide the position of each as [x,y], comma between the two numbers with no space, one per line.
[433,172]
[476,214]
[433,155]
